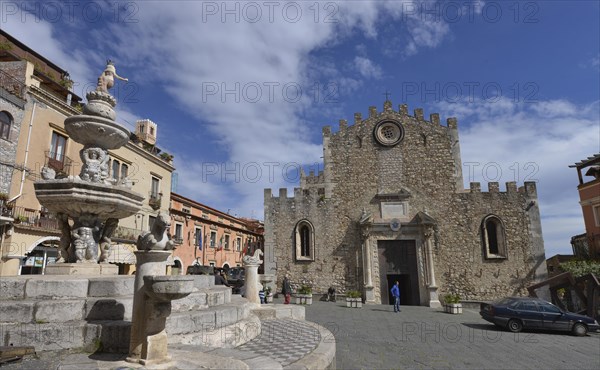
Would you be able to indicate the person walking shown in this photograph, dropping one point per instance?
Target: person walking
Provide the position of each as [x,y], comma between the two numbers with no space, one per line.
[396,294]
[287,290]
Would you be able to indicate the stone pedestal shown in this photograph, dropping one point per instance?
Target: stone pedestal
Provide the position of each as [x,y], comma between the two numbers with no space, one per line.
[81,269]
[153,293]
[369,294]
[147,263]
[251,281]
[434,300]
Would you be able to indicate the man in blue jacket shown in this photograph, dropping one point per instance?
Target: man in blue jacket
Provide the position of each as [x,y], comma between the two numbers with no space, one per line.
[396,294]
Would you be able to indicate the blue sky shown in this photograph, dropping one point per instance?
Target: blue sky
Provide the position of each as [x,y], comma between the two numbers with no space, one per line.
[240,90]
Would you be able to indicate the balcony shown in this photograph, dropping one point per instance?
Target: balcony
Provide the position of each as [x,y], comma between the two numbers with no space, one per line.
[126,235]
[59,163]
[34,219]
[154,200]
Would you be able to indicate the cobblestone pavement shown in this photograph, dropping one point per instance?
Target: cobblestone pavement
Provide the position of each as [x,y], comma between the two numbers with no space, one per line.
[374,337]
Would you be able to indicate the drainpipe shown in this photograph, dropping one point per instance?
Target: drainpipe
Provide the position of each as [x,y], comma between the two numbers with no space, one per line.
[26,153]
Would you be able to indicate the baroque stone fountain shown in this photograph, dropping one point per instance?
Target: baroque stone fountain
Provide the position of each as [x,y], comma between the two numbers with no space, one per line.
[93,201]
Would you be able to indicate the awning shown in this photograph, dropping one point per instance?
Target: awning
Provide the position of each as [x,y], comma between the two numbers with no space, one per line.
[122,254]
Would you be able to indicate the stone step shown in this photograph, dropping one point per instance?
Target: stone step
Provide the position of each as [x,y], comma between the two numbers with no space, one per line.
[71,287]
[193,326]
[119,308]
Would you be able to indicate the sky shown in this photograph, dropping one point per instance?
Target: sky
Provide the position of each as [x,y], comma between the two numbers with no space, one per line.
[241,89]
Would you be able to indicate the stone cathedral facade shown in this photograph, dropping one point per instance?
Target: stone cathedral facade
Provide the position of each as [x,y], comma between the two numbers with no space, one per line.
[390,205]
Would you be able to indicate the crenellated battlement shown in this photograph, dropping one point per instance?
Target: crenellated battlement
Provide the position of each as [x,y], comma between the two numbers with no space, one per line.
[314,194]
[529,188]
[418,116]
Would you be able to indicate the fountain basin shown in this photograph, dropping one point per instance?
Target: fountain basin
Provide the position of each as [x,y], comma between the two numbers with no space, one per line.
[94,131]
[75,197]
[168,287]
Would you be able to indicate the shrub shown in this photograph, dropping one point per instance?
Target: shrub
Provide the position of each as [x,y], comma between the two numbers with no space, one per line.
[451,298]
[353,294]
[305,289]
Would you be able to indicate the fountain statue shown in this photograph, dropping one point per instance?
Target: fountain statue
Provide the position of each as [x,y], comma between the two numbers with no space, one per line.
[153,294]
[93,201]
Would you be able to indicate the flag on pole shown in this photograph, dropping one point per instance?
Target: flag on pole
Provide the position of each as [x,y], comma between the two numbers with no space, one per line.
[246,246]
[220,246]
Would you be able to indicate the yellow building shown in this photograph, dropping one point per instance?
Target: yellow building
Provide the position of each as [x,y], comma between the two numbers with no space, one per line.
[30,234]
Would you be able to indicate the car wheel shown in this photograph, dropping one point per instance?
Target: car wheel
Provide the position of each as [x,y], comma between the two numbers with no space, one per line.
[579,329]
[514,325]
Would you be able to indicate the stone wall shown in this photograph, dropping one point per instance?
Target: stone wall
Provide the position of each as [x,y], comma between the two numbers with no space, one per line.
[424,168]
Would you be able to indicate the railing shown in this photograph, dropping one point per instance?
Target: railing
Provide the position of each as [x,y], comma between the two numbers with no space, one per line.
[6,210]
[59,163]
[12,85]
[35,219]
[126,234]
[154,200]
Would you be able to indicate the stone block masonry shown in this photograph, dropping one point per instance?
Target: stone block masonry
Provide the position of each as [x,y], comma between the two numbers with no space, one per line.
[390,204]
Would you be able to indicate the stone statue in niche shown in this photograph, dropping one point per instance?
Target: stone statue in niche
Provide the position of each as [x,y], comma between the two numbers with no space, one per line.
[107,78]
[95,164]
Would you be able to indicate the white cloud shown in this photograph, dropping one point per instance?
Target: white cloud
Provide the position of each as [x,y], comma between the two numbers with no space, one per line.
[367,68]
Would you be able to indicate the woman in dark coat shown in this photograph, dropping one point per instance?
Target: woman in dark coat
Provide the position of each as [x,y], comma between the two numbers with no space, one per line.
[287,290]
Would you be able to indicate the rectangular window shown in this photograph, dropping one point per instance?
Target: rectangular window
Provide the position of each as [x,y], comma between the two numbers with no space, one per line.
[226,241]
[116,166]
[155,187]
[597,214]
[178,231]
[151,220]
[5,123]
[198,236]
[58,146]
[213,239]
[124,171]
[238,244]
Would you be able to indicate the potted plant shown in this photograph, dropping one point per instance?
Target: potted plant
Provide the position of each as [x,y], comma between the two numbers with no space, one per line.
[452,304]
[304,295]
[353,299]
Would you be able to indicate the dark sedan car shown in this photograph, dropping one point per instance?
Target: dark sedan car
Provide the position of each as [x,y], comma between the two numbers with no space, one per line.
[518,313]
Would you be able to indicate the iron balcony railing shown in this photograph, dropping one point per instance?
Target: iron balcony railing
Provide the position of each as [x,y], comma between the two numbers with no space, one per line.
[59,163]
[126,234]
[35,219]
[6,209]
[154,200]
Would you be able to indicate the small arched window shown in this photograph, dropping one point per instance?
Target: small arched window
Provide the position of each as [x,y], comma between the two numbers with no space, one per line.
[305,241]
[5,124]
[493,237]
